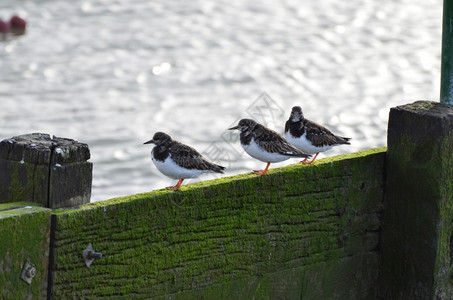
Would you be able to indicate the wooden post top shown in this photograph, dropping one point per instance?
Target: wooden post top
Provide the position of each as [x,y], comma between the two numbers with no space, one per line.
[40,148]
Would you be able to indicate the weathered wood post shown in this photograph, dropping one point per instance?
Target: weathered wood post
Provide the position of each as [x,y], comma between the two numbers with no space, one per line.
[51,171]
[417,235]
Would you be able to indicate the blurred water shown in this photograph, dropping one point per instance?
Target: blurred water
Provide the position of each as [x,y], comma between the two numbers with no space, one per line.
[110,73]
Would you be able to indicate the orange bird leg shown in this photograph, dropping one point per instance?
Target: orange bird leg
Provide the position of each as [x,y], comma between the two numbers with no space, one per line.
[176,187]
[262,172]
[305,162]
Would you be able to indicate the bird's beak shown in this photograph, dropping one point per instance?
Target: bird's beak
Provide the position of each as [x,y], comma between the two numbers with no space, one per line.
[233,128]
[149,142]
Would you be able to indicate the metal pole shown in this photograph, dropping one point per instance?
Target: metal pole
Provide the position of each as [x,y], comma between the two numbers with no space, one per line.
[446,72]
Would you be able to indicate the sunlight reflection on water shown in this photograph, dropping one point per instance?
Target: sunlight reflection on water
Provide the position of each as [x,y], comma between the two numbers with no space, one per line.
[112,74]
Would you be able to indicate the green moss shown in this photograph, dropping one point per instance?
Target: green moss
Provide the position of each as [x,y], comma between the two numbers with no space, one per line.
[444,256]
[24,236]
[18,211]
[220,231]
[417,226]
[27,182]
[420,106]
[6,206]
[21,182]
[248,180]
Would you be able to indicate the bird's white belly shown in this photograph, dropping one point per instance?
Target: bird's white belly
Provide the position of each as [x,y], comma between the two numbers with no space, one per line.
[304,144]
[257,152]
[169,168]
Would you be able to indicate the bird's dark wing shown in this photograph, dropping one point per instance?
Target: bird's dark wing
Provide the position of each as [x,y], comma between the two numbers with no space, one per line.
[321,136]
[273,142]
[189,158]
[287,125]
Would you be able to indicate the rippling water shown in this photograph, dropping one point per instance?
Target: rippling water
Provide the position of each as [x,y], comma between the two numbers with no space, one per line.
[110,73]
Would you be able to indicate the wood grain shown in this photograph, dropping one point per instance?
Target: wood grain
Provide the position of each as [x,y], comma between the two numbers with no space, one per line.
[227,235]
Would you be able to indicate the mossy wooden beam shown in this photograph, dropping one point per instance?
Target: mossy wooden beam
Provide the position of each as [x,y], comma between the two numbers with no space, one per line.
[418,228]
[24,237]
[304,231]
[351,277]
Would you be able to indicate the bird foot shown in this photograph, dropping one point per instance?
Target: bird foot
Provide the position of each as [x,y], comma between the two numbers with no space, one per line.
[304,162]
[260,172]
[174,187]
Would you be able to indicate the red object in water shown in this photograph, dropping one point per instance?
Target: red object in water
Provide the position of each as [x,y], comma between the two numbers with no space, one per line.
[17,25]
[4,27]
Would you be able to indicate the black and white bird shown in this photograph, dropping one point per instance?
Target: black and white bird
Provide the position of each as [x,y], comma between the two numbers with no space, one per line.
[310,137]
[265,144]
[179,161]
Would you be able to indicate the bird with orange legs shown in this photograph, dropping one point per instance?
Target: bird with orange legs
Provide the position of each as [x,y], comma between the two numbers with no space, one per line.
[179,161]
[310,137]
[265,144]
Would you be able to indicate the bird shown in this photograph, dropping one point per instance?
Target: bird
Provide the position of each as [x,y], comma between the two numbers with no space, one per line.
[179,161]
[310,137]
[265,144]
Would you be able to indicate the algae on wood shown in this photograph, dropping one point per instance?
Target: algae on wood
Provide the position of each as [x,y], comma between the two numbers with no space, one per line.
[417,226]
[24,236]
[51,171]
[240,233]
